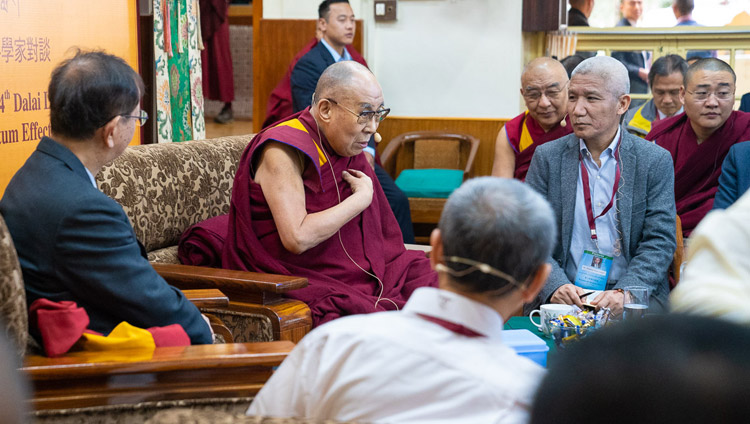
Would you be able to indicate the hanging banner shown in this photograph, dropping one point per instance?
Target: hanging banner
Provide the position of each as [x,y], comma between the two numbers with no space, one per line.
[36,35]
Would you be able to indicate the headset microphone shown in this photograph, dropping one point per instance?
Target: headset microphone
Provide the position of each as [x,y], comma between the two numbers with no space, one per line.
[377,138]
[563,123]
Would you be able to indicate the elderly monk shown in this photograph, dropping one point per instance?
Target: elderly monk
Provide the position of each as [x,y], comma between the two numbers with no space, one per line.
[306,202]
[666,79]
[612,195]
[700,139]
[544,89]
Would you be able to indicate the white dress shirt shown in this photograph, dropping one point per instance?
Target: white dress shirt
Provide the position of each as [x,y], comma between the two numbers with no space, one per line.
[336,56]
[398,367]
[601,181]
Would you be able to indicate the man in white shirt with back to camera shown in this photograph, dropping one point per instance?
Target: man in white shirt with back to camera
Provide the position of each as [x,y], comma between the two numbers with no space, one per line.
[441,358]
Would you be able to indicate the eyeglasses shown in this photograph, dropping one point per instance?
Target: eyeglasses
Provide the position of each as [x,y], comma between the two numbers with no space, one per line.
[703,95]
[367,115]
[551,93]
[140,120]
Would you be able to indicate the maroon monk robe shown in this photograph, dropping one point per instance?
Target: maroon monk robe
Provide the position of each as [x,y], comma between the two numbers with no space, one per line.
[373,239]
[280,102]
[216,57]
[697,166]
[525,135]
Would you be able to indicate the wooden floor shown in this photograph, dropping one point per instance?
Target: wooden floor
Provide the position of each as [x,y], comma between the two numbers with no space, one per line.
[238,127]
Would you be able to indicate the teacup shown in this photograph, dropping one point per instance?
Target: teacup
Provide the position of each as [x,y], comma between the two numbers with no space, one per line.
[547,312]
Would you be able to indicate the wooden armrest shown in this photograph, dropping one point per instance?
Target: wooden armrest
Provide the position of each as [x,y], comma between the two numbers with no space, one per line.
[160,359]
[87,379]
[207,298]
[187,276]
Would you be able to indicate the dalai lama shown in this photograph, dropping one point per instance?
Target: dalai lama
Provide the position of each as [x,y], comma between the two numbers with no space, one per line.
[306,202]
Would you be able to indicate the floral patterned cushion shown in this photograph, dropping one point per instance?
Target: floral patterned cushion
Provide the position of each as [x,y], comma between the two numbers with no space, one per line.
[138,413]
[13,315]
[193,416]
[166,188]
[167,255]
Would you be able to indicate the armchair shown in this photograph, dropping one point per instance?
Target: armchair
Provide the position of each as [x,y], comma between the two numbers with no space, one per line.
[427,190]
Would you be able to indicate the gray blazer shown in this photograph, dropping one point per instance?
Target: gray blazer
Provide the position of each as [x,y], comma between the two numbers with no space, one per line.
[645,204]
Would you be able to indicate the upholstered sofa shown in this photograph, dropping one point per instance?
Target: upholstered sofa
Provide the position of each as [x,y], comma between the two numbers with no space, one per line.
[127,386]
[166,188]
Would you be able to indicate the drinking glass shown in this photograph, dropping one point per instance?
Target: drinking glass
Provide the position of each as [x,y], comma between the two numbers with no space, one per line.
[635,304]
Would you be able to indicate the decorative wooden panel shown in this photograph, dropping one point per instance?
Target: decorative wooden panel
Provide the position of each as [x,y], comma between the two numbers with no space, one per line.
[276,41]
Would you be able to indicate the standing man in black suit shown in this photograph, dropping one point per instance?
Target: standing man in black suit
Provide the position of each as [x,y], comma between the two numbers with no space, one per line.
[74,243]
[578,15]
[636,62]
[579,12]
[336,22]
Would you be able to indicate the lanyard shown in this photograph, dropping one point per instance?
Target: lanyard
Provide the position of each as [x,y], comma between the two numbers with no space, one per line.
[587,191]
[456,328]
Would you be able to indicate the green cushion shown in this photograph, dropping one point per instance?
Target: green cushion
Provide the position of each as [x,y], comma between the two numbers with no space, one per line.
[429,182]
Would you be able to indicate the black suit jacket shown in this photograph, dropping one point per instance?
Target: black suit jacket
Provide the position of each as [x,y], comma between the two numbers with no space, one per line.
[745,103]
[633,61]
[306,73]
[75,243]
[577,18]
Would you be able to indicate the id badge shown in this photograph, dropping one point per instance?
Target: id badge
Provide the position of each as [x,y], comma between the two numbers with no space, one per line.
[593,271]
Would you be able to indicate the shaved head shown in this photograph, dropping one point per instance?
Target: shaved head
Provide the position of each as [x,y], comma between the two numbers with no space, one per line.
[709,64]
[545,65]
[339,79]
[544,85]
[344,103]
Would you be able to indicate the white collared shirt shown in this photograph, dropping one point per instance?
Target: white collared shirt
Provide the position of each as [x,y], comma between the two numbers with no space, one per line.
[336,56]
[91,178]
[397,367]
[601,181]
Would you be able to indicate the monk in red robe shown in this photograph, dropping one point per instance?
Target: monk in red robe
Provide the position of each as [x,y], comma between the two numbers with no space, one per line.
[306,202]
[700,138]
[216,57]
[544,87]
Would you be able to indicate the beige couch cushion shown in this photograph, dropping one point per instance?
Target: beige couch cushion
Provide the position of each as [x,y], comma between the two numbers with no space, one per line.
[166,188]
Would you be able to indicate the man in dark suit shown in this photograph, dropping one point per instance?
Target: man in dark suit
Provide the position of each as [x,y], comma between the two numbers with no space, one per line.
[634,61]
[336,23]
[74,243]
[579,12]
[734,180]
[612,193]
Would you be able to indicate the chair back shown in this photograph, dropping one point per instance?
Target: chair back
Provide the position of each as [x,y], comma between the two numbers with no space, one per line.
[430,149]
[13,314]
[166,188]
